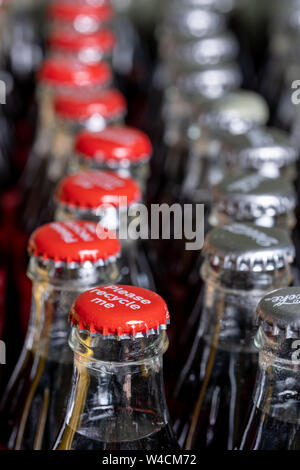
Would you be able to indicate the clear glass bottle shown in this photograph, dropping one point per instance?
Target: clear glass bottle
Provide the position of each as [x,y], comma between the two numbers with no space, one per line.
[170,150]
[112,200]
[190,23]
[221,6]
[242,263]
[117,401]
[201,84]
[273,420]
[66,258]
[123,149]
[253,197]
[66,77]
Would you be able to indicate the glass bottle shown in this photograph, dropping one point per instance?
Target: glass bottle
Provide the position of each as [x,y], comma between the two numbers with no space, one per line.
[123,149]
[273,420]
[235,113]
[242,263]
[66,258]
[117,401]
[112,200]
[190,41]
[66,77]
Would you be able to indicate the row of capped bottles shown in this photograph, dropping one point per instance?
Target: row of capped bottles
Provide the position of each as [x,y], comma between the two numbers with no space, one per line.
[98,384]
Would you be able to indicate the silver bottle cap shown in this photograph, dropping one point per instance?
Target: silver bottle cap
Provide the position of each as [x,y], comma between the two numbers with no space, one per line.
[260,147]
[211,83]
[193,23]
[208,51]
[250,196]
[278,312]
[236,112]
[221,6]
[246,247]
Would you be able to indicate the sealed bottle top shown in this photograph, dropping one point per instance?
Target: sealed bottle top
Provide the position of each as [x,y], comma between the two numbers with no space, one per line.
[68,73]
[245,247]
[250,196]
[259,148]
[115,146]
[221,6]
[70,42]
[211,82]
[207,51]
[85,16]
[104,107]
[122,311]
[74,242]
[197,23]
[236,112]
[278,313]
[89,190]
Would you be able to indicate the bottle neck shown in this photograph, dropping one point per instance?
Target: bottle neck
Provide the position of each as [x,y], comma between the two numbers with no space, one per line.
[118,392]
[277,390]
[54,289]
[230,302]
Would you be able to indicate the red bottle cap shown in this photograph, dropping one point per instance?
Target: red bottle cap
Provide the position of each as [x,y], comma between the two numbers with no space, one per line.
[74,242]
[109,104]
[91,189]
[69,41]
[120,310]
[71,73]
[68,11]
[115,144]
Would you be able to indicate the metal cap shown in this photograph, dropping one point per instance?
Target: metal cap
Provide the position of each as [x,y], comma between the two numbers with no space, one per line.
[278,312]
[194,22]
[221,6]
[259,147]
[251,196]
[245,247]
[208,51]
[236,112]
[211,83]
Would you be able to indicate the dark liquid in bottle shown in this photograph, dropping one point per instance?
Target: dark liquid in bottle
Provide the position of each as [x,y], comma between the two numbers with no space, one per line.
[264,432]
[34,407]
[218,385]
